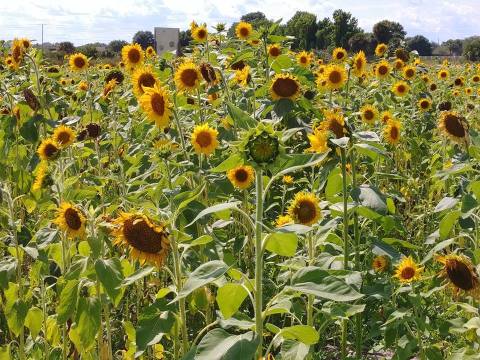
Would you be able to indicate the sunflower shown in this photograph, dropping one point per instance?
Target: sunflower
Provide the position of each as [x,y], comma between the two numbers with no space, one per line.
[468,91]
[359,64]
[318,141]
[254,42]
[242,77]
[391,132]
[304,209]
[287,180]
[339,54]
[385,116]
[433,87]
[380,263]
[304,58]
[443,74]
[454,126]
[335,76]
[476,78]
[142,78]
[382,69]
[208,73]
[63,136]
[26,43]
[187,76]
[424,104]
[204,139]
[409,72]
[242,176]
[40,174]
[407,270]
[132,55]
[284,86]
[381,49]
[334,122]
[400,88]
[283,220]
[398,64]
[274,50]
[146,241]
[78,62]
[17,51]
[48,149]
[461,273]
[83,86]
[150,52]
[109,87]
[369,113]
[155,102]
[200,33]
[243,30]
[71,220]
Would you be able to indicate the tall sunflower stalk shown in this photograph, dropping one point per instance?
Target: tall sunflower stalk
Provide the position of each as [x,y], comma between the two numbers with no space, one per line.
[259,260]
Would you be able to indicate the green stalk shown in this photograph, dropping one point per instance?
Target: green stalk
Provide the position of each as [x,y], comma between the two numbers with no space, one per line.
[346,250]
[259,261]
[311,258]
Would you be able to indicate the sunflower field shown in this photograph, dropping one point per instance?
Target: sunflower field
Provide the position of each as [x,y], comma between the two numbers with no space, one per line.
[241,201]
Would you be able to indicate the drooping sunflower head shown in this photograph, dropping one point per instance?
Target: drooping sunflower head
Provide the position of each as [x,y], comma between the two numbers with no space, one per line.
[382,69]
[48,149]
[409,72]
[187,76]
[17,50]
[109,87]
[208,73]
[283,220]
[424,104]
[274,50]
[408,271]
[142,78]
[461,273]
[204,139]
[304,58]
[241,176]
[70,220]
[391,131]
[132,56]
[359,64]
[380,263]
[146,241]
[26,43]
[339,54]
[156,103]
[335,76]
[284,86]
[369,113]
[243,77]
[243,30]
[334,122]
[305,209]
[78,62]
[381,49]
[454,126]
[200,33]
[400,88]
[40,174]
[63,136]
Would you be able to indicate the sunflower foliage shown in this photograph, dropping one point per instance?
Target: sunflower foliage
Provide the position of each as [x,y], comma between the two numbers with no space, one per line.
[242,201]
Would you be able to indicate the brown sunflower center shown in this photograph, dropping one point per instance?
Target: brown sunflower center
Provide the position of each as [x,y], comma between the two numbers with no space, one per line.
[63,137]
[72,218]
[336,128]
[394,133]
[146,80]
[285,87]
[142,236]
[458,82]
[424,104]
[79,62]
[460,274]
[409,73]
[401,88]
[454,126]
[204,139]
[359,64]
[201,33]
[134,55]
[274,51]
[50,150]
[382,70]
[407,273]
[340,55]
[244,32]
[241,175]
[368,114]
[335,77]
[189,77]
[303,59]
[443,74]
[158,104]
[305,212]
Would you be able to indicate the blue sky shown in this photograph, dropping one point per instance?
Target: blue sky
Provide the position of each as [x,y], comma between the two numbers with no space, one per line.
[84,21]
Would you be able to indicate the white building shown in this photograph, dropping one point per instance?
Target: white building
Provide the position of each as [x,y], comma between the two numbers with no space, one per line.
[166,39]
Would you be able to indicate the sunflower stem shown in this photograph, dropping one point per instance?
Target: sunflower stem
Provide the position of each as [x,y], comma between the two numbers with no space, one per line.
[259,261]
[311,259]
[346,250]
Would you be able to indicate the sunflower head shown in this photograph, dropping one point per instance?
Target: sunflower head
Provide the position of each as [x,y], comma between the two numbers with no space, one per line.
[287,180]
[242,77]
[443,74]
[187,76]
[145,240]
[400,88]
[283,220]
[334,122]
[241,176]
[70,220]
[78,62]
[132,56]
[274,50]
[385,116]
[454,126]
[263,146]
[381,49]
[208,73]
[304,58]
[200,33]
[382,69]
[318,140]
[369,114]
[40,174]
[391,131]
[424,104]
[150,51]
[284,86]
[398,64]
[359,64]
[305,209]
[155,102]
[407,270]
[334,75]
[380,263]
[204,139]
[64,136]
[339,54]
[461,273]
[243,30]
[48,149]
[409,72]
[143,77]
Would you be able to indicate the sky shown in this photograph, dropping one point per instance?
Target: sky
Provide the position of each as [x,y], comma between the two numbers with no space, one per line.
[86,21]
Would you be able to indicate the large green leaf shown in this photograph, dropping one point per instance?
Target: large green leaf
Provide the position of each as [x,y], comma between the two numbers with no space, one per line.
[137,275]
[232,161]
[87,322]
[448,222]
[282,243]
[68,301]
[203,275]
[240,117]
[214,209]
[220,345]
[229,298]
[16,315]
[294,350]
[315,281]
[109,272]
[303,333]
[34,321]
[370,197]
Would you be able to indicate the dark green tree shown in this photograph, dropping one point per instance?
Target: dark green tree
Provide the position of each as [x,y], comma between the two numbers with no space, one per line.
[144,38]
[421,44]
[115,46]
[454,46]
[303,25]
[386,30]
[362,41]
[344,27]
[324,34]
[67,47]
[471,48]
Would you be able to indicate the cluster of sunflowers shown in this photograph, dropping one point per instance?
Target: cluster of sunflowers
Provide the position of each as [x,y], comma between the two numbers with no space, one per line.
[236,201]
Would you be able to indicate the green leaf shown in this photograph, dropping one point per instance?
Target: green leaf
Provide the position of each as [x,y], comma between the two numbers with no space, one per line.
[447,223]
[294,350]
[87,322]
[446,203]
[34,321]
[220,345]
[303,333]
[315,281]
[229,299]
[214,209]
[7,271]
[370,197]
[240,117]
[202,240]
[437,248]
[343,310]
[68,301]
[183,199]
[109,272]
[201,276]
[29,129]
[232,161]
[372,151]
[16,315]
[282,243]
[137,275]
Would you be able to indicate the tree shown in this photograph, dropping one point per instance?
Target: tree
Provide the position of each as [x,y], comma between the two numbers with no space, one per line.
[471,48]
[89,50]
[184,38]
[386,30]
[144,38]
[421,44]
[303,25]
[454,46]
[257,19]
[362,41]
[324,33]
[67,47]
[344,27]
[115,46]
